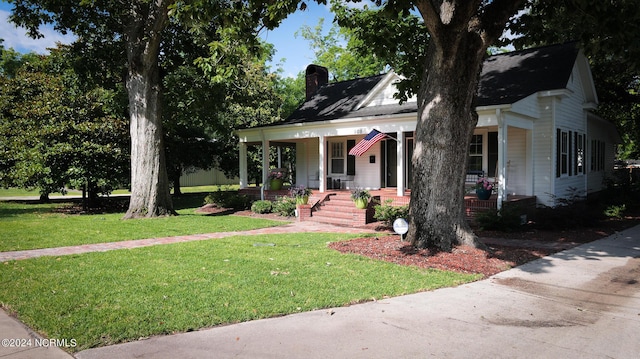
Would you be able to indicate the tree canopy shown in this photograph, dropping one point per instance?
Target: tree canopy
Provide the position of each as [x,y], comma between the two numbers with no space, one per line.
[56,134]
[132,33]
[607,31]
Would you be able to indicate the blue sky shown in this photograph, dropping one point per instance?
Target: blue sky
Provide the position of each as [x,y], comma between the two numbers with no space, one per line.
[296,51]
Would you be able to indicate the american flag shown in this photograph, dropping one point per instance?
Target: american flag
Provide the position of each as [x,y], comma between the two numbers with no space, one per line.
[369,140]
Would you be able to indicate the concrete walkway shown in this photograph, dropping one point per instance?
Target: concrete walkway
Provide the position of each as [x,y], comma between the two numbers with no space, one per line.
[580,303]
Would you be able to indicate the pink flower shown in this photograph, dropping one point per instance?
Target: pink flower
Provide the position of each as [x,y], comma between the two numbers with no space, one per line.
[483,183]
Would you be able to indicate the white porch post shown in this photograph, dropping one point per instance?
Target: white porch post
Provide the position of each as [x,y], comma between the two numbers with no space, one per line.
[244,182]
[265,165]
[502,158]
[279,156]
[322,166]
[400,164]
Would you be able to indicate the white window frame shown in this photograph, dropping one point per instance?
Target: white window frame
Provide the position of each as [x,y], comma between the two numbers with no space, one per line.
[337,156]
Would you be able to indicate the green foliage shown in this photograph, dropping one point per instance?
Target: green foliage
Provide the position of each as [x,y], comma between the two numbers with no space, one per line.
[228,199]
[615,211]
[392,35]
[262,206]
[338,52]
[607,32]
[388,213]
[285,206]
[360,193]
[505,220]
[57,133]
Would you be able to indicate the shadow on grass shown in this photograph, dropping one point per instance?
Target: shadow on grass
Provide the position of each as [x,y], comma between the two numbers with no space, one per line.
[15,209]
[105,205]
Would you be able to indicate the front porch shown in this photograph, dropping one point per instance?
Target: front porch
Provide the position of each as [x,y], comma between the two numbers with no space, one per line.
[473,205]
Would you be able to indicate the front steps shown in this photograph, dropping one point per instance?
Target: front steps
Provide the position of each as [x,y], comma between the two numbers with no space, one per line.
[339,209]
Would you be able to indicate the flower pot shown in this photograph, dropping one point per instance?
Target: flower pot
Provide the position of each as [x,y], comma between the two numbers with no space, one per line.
[483,194]
[275,184]
[302,199]
[361,203]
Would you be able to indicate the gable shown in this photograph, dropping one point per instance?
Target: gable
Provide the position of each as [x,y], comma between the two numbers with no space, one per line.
[510,77]
[334,100]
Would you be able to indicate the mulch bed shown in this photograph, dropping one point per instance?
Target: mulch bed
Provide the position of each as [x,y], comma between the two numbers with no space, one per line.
[533,244]
[463,259]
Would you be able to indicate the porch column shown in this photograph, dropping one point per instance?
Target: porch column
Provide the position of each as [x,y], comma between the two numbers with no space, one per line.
[265,166]
[400,164]
[502,158]
[279,156]
[322,166]
[244,179]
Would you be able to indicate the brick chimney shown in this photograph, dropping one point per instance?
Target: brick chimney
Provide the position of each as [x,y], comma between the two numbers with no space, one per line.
[316,76]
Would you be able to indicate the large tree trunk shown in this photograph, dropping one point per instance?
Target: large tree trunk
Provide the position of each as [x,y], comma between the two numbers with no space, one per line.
[150,191]
[460,34]
[443,134]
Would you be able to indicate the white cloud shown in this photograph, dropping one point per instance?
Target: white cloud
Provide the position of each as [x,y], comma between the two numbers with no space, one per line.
[17,38]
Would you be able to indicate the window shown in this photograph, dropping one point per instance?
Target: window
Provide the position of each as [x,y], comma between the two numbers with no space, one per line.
[597,155]
[475,153]
[564,153]
[337,157]
[570,153]
[579,161]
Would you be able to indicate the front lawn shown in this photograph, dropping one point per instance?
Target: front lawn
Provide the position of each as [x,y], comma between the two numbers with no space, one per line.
[30,226]
[111,297]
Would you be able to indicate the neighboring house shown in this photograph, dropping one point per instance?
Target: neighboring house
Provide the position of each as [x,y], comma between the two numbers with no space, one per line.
[206,178]
[536,135]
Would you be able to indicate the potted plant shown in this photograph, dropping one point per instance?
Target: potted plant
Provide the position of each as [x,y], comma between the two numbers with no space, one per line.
[301,193]
[361,197]
[484,188]
[276,178]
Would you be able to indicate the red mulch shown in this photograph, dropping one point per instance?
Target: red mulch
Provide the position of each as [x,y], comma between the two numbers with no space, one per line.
[464,259]
[534,244]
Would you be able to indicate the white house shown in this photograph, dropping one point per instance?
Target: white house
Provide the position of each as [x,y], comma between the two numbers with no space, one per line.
[536,135]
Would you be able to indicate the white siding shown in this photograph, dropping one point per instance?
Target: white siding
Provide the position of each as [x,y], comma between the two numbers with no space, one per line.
[570,116]
[368,174]
[544,152]
[517,172]
[310,163]
[206,178]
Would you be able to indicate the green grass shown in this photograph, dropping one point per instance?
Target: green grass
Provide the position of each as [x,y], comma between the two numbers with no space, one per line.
[30,226]
[19,192]
[111,297]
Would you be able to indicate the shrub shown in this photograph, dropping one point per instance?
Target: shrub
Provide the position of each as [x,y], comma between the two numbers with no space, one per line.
[614,211]
[388,213]
[261,207]
[569,216]
[228,199]
[505,220]
[285,206]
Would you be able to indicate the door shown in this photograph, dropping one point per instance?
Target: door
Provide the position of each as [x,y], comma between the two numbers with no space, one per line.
[389,163]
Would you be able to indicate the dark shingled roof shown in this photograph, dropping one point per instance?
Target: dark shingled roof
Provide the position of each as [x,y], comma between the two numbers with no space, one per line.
[509,77]
[505,78]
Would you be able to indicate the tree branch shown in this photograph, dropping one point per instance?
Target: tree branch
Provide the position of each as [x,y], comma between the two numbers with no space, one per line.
[430,16]
[495,16]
